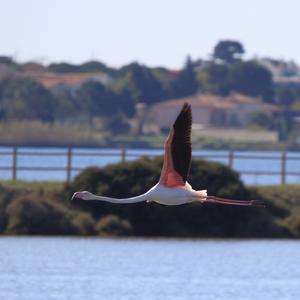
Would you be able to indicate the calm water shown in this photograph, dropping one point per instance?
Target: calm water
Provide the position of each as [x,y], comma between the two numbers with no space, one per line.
[74,268]
[239,164]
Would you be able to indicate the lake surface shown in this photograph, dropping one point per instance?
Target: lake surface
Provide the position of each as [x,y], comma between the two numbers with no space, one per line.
[130,269]
[84,157]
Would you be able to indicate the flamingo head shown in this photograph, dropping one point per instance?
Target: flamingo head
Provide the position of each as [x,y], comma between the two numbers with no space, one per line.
[83,195]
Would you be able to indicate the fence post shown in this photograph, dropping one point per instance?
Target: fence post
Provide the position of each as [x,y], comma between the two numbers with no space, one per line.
[283,168]
[14,163]
[230,158]
[123,154]
[69,164]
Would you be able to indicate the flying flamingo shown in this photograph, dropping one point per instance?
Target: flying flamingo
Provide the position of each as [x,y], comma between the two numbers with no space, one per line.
[173,188]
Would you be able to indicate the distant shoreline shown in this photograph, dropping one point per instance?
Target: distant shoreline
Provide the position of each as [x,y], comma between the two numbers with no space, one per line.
[149,238]
[146,145]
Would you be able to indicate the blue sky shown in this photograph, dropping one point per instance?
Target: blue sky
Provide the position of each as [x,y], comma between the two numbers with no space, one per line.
[153,32]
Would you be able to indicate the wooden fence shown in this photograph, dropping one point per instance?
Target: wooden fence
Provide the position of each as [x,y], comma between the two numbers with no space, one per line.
[124,154]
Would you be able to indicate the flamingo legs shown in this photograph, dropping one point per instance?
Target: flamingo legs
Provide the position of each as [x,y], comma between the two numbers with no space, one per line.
[214,199]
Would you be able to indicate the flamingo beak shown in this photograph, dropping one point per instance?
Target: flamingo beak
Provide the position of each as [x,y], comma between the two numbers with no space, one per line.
[74,196]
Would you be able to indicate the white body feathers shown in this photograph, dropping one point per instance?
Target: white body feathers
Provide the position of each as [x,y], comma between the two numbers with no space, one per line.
[159,194]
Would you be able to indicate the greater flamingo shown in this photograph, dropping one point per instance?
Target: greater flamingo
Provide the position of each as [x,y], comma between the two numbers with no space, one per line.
[173,188]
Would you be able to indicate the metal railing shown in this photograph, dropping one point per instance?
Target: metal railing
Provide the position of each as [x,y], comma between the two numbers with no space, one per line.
[124,154]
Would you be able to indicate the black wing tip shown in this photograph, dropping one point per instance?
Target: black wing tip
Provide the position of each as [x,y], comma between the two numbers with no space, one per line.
[186,106]
[186,111]
[181,143]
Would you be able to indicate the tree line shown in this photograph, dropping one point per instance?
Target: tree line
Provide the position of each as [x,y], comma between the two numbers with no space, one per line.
[114,103]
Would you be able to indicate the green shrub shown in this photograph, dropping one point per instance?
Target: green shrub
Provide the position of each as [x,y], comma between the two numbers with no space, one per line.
[84,224]
[5,197]
[27,215]
[34,209]
[209,220]
[29,208]
[284,206]
[112,225]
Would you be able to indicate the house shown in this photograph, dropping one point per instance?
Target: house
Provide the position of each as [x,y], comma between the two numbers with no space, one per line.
[233,111]
[57,82]
[283,72]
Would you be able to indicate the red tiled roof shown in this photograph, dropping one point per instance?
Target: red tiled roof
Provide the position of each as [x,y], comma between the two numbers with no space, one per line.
[49,79]
[214,101]
[32,66]
[270,107]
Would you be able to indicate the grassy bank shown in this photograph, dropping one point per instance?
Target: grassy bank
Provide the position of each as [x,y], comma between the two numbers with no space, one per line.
[199,142]
[33,185]
[36,133]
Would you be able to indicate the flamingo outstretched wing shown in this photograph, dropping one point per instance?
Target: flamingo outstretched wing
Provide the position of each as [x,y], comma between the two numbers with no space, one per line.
[178,150]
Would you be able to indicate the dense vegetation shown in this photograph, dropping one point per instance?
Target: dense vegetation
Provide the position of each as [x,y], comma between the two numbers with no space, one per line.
[47,210]
[109,106]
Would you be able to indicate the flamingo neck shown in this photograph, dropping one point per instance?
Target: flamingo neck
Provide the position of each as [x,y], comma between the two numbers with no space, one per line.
[136,199]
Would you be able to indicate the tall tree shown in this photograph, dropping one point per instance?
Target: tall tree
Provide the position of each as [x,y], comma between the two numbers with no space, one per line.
[6,60]
[252,79]
[63,68]
[67,105]
[214,79]
[139,82]
[228,51]
[26,99]
[95,99]
[89,66]
[186,83]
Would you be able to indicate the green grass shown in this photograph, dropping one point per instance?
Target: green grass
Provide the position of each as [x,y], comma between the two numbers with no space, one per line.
[157,141]
[151,141]
[38,133]
[33,185]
